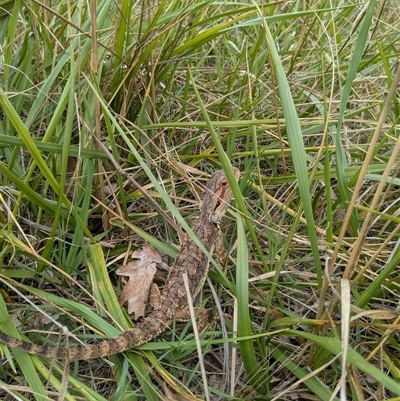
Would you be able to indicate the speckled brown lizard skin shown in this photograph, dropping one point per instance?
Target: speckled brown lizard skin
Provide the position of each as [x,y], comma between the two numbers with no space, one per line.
[191,260]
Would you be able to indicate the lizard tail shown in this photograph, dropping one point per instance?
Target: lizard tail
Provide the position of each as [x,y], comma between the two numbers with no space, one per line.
[128,339]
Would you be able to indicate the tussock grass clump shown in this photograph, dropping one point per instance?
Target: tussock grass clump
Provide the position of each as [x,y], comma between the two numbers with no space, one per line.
[111,117]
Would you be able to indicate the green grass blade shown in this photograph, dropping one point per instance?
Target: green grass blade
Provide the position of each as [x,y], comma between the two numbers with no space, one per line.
[313,383]
[25,135]
[334,346]
[341,163]
[296,142]
[244,322]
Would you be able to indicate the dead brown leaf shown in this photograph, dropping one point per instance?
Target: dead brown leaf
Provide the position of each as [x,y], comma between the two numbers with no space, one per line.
[140,272]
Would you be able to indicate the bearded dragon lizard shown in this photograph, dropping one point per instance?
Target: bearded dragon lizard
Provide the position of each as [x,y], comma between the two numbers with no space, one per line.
[191,260]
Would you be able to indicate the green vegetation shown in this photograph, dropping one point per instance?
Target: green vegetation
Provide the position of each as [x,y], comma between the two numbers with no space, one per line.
[301,96]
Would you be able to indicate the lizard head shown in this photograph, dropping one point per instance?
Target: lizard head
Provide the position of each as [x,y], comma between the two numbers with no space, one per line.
[217,195]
